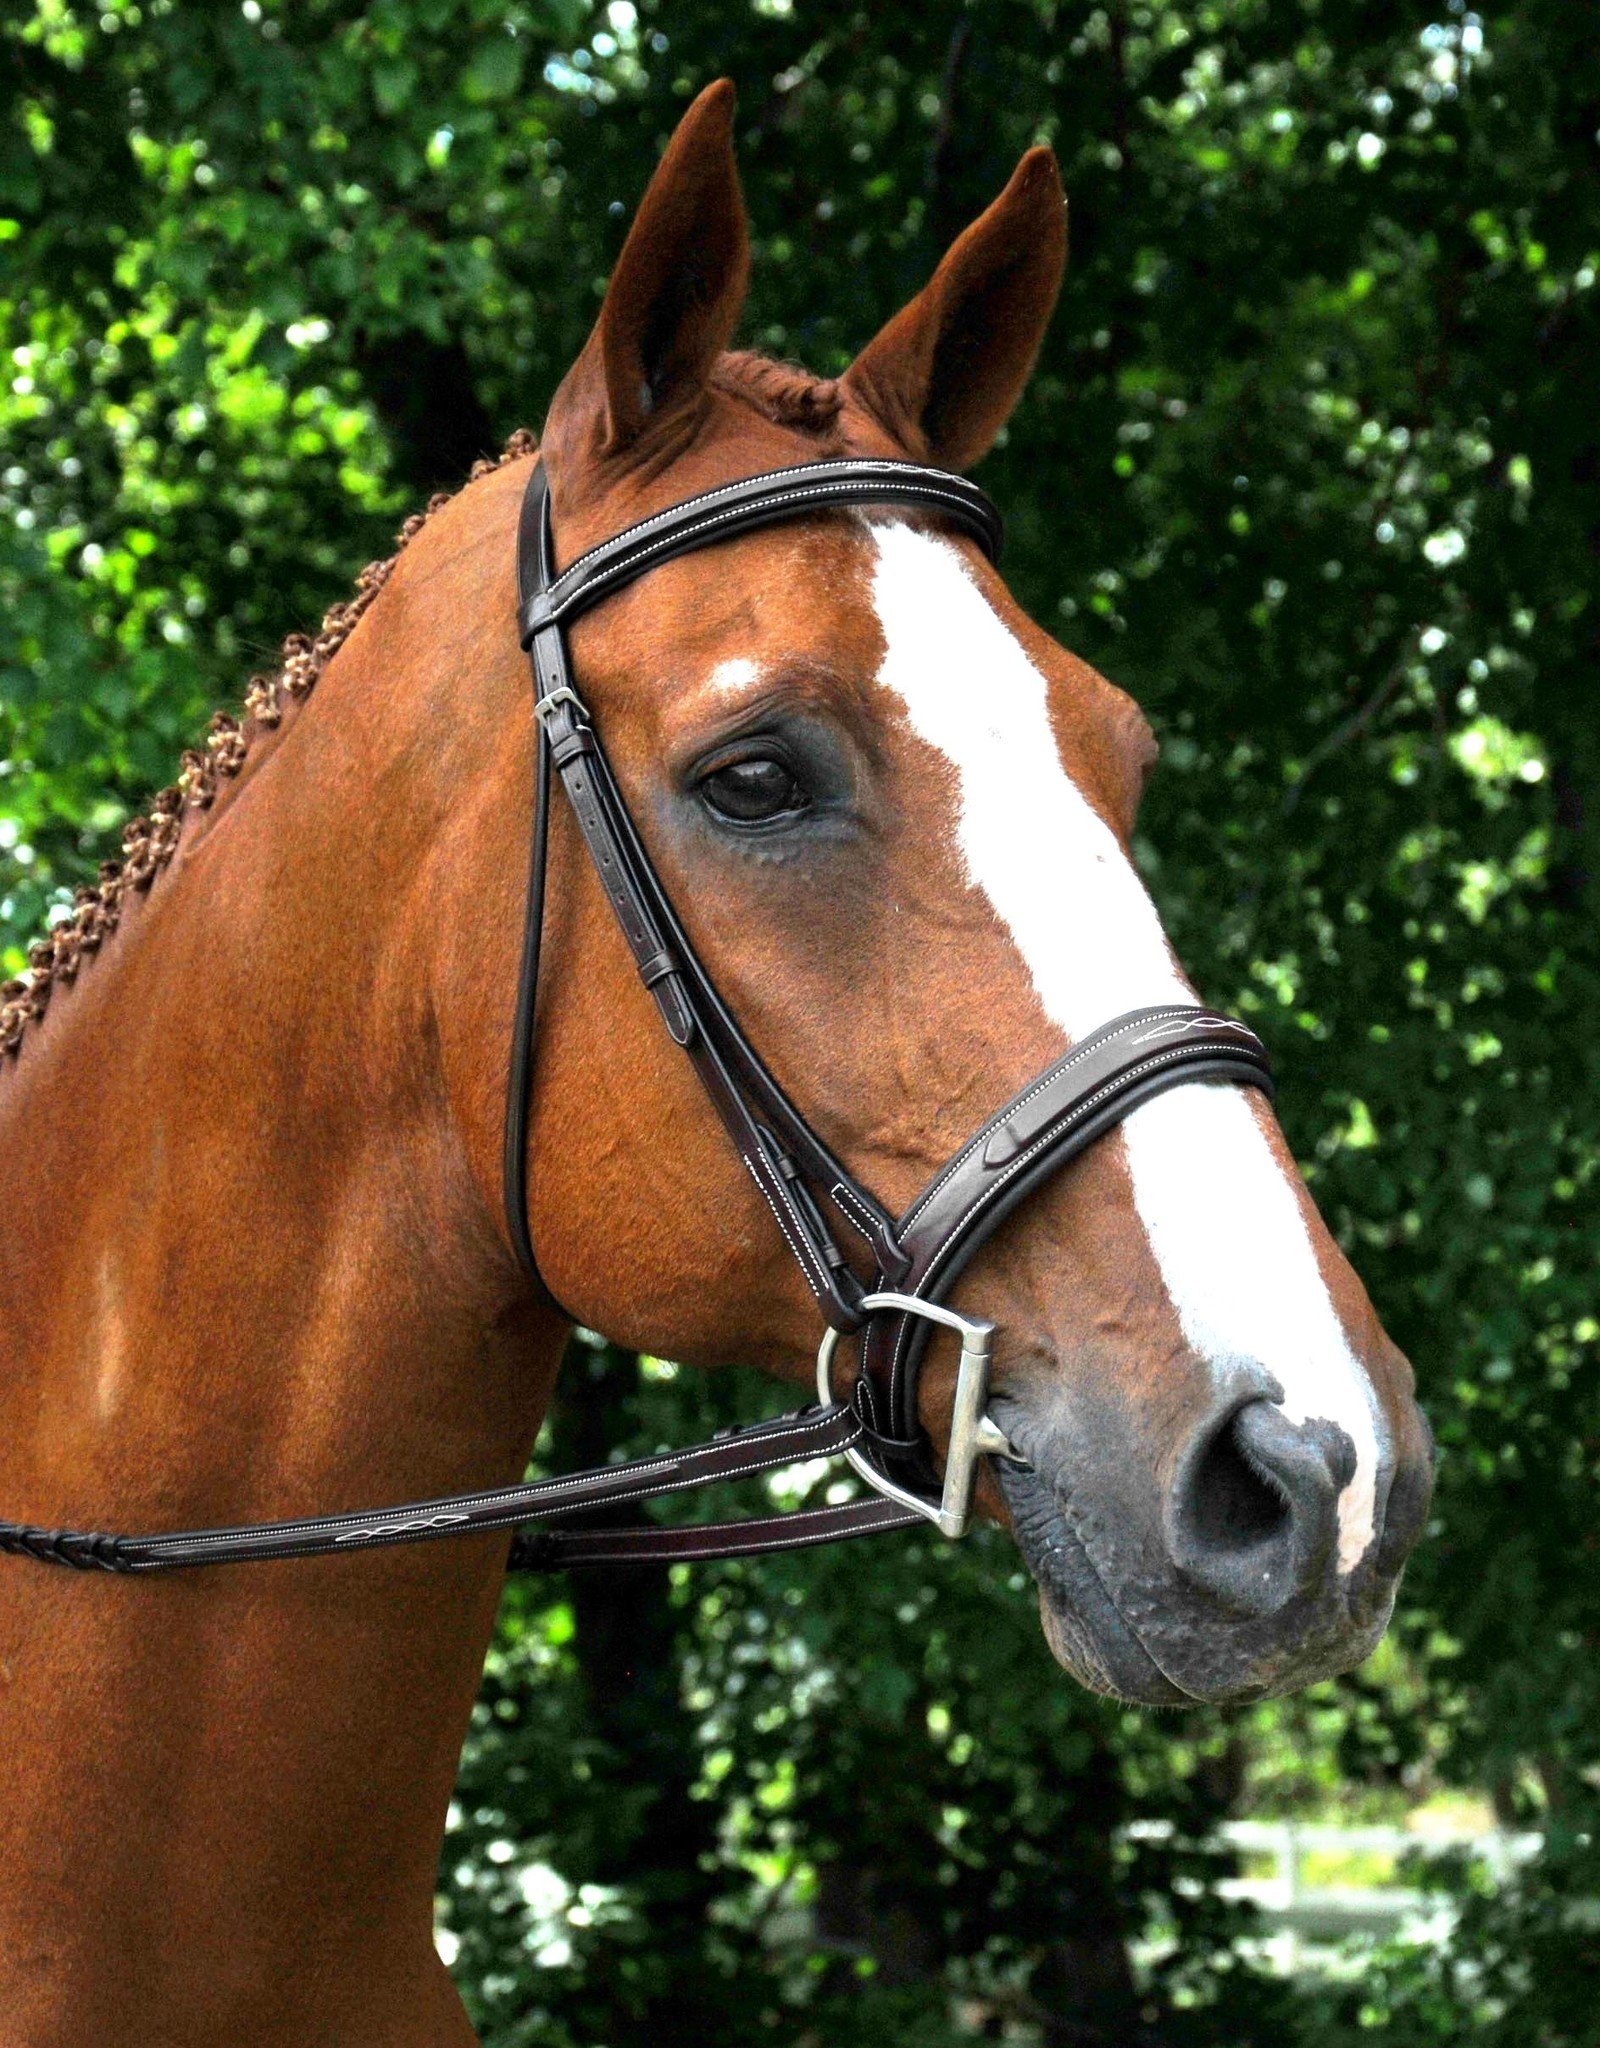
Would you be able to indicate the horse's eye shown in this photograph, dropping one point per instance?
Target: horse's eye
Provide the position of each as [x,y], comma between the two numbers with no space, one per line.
[751,791]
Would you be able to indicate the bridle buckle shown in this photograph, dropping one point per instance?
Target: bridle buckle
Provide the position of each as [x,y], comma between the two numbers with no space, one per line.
[974,1434]
[561,694]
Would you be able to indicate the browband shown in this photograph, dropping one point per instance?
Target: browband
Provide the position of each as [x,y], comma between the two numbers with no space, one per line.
[742,507]
[915,1259]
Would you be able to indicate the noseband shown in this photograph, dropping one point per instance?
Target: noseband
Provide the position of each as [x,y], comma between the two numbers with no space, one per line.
[914,1259]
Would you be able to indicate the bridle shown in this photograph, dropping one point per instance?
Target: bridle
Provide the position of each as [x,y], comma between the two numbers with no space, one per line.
[916,1258]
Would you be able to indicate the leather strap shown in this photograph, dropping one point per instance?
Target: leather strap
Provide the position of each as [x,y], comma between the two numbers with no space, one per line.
[514,1161]
[546,1550]
[775,496]
[738,1454]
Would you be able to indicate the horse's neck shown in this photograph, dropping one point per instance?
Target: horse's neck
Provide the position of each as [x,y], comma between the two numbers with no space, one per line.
[248,1270]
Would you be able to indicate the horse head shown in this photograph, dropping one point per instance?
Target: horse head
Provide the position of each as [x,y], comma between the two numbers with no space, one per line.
[895,815]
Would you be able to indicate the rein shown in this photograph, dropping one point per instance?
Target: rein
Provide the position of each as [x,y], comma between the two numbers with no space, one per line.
[916,1258]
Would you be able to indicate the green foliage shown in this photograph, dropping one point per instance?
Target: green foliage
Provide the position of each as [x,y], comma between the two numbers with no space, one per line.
[1311,466]
[1518,1968]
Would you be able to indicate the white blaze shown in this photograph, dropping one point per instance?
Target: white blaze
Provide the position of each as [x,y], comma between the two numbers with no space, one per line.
[1223,1223]
[734,675]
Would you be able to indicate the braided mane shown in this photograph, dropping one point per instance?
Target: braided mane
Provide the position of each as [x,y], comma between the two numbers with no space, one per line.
[149,843]
[782,392]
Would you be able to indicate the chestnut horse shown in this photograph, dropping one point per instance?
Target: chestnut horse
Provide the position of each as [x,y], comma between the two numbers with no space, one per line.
[257,1264]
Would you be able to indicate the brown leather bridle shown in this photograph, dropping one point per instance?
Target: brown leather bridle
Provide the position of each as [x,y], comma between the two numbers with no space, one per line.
[916,1258]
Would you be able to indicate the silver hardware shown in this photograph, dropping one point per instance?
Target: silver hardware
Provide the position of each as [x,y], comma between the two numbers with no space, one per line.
[974,1434]
[560,695]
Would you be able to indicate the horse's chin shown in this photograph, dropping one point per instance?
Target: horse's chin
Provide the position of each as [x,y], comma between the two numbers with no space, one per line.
[1087,1634]
[1126,1674]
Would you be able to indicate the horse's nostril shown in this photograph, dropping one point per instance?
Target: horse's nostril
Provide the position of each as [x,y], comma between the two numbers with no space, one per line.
[1253,1509]
[1233,1506]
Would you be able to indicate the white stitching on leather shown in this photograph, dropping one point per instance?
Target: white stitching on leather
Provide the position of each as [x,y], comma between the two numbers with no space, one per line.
[1008,1173]
[886,469]
[564,606]
[527,1502]
[855,1207]
[1068,1060]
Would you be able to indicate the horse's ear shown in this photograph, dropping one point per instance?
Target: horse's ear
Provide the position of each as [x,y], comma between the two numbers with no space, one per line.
[674,296]
[943,376]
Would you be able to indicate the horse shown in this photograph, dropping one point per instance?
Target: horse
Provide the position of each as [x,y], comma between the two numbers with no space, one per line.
[256,1262]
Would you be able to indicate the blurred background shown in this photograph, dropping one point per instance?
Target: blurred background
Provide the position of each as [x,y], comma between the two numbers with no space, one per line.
[1312,466]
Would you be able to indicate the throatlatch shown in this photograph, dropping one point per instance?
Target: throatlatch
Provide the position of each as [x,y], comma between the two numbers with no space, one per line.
[915,1259]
